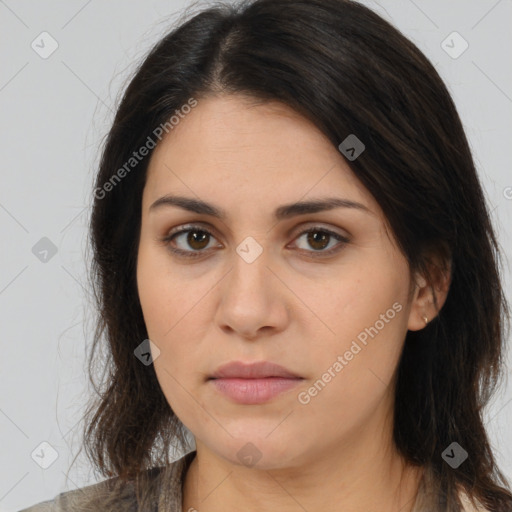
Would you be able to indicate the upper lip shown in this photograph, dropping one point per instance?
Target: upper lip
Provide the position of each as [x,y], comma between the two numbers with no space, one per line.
[258,370]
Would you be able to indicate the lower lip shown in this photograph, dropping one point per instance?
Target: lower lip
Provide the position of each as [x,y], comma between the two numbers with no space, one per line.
[254,391]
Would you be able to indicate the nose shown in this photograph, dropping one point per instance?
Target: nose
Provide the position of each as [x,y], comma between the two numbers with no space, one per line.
[253,300]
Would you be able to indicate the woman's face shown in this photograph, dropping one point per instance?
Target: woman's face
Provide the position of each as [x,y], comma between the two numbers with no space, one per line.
[254,287]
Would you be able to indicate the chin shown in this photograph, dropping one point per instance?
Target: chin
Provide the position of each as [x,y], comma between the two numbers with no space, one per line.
[254,449]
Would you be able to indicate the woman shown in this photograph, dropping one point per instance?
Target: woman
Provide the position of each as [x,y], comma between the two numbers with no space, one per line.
[294,259]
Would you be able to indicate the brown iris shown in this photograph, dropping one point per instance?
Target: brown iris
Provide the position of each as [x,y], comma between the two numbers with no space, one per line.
[315,238]
[193,237]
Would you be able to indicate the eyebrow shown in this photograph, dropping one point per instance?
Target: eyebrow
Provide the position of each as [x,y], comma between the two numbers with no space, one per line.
[282,212]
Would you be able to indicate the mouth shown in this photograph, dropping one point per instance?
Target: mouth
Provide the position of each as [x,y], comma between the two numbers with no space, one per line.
[257,370]
[254,383]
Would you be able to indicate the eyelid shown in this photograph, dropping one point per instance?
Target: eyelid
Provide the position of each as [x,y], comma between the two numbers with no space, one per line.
[199,226]
[296,233]
[342,241]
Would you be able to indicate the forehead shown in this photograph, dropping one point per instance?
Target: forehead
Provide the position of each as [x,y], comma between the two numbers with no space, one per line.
[233,145]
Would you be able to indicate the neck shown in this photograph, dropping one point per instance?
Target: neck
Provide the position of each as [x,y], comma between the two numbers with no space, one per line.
[357,475]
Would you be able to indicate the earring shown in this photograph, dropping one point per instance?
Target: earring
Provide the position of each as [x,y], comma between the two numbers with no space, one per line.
[426,320]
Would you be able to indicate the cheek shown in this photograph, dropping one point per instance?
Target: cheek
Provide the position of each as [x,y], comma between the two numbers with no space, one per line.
[351,379]
[360,317]
[165,317]
[152,296]
[352,299]
[160,292]
[170,302]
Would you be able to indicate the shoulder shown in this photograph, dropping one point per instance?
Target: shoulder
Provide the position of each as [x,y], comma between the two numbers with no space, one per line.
[431,496]
[44,506]
[469,506]
[111,495]
[161,484]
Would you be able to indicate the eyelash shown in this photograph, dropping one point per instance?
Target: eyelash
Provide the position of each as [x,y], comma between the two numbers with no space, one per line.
[195,254]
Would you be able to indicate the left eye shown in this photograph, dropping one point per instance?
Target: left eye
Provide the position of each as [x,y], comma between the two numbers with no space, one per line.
[319,239]
[198,239]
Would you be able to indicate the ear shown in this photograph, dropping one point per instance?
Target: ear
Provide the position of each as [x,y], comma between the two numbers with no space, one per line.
[429,293]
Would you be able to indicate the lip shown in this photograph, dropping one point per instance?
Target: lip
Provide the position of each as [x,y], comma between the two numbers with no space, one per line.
[253,383]
[257,370]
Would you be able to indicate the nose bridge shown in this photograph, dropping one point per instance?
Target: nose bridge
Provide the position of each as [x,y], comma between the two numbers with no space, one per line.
[249,297]
[250,271]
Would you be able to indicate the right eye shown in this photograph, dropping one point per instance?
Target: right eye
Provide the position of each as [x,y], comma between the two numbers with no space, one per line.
[196,237]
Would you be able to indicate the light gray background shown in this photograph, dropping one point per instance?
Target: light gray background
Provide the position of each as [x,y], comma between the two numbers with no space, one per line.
[55,112]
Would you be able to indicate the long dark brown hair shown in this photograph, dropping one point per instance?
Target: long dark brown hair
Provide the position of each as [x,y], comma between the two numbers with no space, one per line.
[349,71]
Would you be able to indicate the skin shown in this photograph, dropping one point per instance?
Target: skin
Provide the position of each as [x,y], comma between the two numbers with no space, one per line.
[335,452]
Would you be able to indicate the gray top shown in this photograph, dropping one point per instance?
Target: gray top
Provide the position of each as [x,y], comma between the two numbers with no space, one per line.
[108,495]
